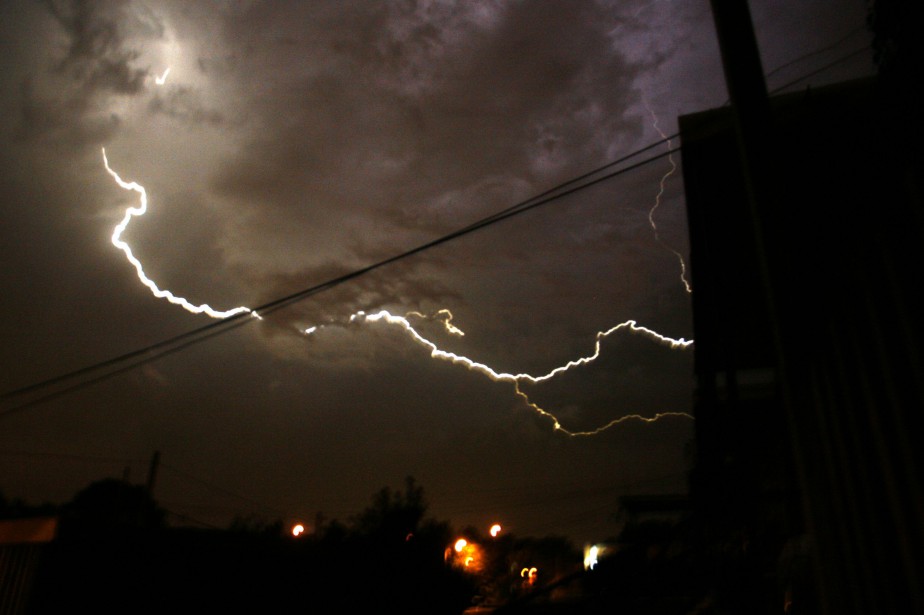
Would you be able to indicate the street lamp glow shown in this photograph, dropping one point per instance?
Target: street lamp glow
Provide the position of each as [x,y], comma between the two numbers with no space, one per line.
[591,555]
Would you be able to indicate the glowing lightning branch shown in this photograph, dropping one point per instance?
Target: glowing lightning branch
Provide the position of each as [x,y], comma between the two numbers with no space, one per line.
[162,79]
[670,157]
[117,242]
[623,419]
[516,379]
[444,316]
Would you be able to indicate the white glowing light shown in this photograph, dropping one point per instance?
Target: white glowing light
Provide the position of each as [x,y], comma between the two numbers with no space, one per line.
[162,79]
[120,244]
[495,530]
[651,212]
[515,379]
[436,353]
[591,555]
[443,315]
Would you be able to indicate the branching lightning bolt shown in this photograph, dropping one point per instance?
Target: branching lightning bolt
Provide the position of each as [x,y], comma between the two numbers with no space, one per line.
[443,315]
[651,212]
[120,244]
[516,379]
[435,352]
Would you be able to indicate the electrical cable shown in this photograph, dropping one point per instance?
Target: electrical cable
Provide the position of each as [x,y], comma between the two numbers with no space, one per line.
[180,342]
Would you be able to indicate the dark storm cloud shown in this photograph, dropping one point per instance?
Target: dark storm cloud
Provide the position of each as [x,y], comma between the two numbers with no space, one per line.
[68,100]
[97,32]
[393,123]
[184,104]
[524,90]
[96,53]
[69,121]
[296,141]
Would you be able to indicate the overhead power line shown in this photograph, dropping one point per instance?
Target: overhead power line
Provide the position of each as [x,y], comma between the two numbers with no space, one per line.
[831,64]
[221,490]
[131,360]
[90,374]
[69,456]
[820,50]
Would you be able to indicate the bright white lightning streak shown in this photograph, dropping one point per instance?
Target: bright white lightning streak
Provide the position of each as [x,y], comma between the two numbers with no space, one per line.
[651,212]
[162,79]
[516,379]
[444,315]
[120,244]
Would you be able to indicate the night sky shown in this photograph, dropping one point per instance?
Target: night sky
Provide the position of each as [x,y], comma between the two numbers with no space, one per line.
[294,142]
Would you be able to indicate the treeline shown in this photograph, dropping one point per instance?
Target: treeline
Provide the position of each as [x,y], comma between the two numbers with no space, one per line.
[114,553]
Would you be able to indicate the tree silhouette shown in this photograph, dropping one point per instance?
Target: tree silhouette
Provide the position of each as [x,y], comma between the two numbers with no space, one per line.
[113,502]
[393,515]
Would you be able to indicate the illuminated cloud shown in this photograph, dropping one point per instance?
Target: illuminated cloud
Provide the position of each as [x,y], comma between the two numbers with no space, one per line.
[185,104]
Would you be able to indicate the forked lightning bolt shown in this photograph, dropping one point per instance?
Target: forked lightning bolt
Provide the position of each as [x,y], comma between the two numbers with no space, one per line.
[651,212]
[443,316]
[117,241]
[435,352]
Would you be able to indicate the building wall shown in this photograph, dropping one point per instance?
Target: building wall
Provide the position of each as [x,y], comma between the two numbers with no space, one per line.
[808,340]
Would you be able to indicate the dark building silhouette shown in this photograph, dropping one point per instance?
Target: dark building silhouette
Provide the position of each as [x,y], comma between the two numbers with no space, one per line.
[808,308]
[22,545]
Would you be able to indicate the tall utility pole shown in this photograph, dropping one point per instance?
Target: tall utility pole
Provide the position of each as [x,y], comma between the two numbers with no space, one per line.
[846,328]
[152,473]
[747,90]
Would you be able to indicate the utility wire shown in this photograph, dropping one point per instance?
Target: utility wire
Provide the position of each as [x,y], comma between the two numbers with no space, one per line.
[204,483]
[70,456]
[141,357]
[136,358]
[188,519]
[831,64]
[823,68]
[816,52]
[180,342]
[490,220]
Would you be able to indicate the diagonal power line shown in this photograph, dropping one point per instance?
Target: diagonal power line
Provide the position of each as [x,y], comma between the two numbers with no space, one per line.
[103,370]
[128,361]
